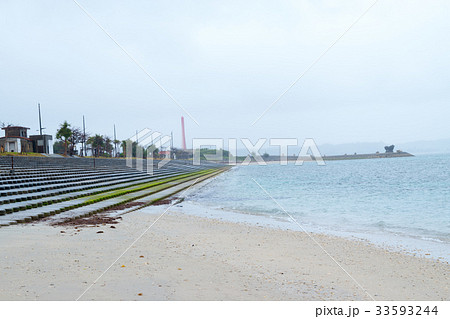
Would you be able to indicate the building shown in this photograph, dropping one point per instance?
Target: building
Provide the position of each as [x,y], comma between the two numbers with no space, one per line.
[164,154]
[182,154]
[16,140]
[42,143]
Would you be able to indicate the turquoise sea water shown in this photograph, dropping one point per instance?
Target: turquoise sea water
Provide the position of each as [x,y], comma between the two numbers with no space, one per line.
[396,201]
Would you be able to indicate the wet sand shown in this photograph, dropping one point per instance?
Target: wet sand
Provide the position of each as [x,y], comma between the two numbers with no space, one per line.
[193,258]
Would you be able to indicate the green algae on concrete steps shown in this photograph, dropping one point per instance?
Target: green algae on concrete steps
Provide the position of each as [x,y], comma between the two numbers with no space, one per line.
[126,196]
[88,191]
[124,191]
[148,198]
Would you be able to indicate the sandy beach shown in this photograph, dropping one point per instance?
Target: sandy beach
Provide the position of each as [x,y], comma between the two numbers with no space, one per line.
[193,258]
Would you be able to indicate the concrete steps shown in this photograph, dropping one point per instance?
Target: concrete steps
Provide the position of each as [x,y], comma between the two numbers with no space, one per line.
[148,197]
[69,186]
[95,203]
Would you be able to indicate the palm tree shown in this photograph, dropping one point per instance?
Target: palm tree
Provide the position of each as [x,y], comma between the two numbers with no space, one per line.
[97,142]
[124,148]
[108,145]
[125,145]
[63,134]
[116,152]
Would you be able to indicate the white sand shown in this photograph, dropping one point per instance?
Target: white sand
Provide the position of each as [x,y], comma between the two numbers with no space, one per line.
[194,258]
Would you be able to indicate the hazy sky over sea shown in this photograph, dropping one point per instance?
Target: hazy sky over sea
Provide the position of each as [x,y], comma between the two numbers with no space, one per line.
[225,62]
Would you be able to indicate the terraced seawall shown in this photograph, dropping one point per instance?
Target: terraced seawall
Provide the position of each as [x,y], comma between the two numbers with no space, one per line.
[33,188]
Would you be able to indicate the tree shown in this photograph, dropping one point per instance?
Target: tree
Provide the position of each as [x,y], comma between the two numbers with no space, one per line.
[76,138]
[97,143]
[108,146]
[124,147]
[63,134]
[58,147]
[4,124]
[180,154]
[116,151]
[150,153]
[84,139]
[212,152]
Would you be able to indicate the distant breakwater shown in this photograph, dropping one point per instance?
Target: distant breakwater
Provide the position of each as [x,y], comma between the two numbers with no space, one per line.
[344,157]
[365,156]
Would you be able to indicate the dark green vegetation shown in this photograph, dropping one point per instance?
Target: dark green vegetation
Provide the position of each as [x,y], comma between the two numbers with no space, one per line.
[212,152]
[73,141]
[64,133]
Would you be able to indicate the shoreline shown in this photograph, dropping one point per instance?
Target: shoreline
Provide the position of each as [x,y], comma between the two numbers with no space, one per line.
[394,242]
[420,247]
[184,257]
[416,244]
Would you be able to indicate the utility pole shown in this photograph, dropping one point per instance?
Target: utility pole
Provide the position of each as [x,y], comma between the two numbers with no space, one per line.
[40,130]
[40,120]
[84,137]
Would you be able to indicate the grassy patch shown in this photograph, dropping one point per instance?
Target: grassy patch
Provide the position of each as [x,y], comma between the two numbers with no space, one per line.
[21,154]
[120,192]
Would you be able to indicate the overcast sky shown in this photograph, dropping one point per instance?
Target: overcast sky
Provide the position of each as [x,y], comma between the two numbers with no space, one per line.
[387,79]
